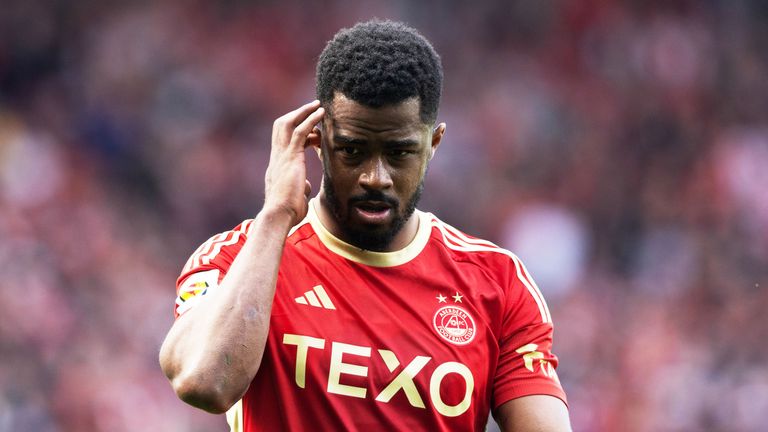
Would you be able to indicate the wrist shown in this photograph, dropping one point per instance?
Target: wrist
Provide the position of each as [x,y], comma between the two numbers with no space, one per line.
[282,216]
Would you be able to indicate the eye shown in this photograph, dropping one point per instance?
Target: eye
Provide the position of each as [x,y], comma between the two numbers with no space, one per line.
[399,153]
[349,151]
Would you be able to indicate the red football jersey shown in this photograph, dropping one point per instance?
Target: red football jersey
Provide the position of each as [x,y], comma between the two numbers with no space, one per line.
[430,337]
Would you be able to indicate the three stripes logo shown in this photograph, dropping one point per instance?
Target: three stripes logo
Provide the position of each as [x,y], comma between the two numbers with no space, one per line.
[316,297]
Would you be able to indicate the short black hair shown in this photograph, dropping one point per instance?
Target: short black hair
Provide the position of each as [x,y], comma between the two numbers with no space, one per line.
[378,63]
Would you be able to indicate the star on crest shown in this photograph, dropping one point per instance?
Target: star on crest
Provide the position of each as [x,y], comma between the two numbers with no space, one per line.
[441,298]
[457,298]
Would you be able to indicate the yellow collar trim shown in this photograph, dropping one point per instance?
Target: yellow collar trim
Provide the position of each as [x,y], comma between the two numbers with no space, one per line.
[374,259]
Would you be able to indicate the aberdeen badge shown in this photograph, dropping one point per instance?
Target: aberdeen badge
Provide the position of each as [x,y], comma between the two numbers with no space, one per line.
[454,324]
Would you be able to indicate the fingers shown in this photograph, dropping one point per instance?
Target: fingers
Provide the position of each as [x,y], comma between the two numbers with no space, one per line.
[293,127]
[313,139]
[287,121]
[293,118]
[303,131]
[296,116]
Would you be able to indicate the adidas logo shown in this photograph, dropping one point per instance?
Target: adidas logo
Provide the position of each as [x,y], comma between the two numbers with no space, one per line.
[316,297]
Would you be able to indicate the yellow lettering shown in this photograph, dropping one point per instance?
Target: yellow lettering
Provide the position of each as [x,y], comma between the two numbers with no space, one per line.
[404,380]
[389,359]
[434,388]
[303,343]
[338,367]
[530,356]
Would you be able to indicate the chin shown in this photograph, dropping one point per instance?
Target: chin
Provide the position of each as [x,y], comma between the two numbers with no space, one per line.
[373,238]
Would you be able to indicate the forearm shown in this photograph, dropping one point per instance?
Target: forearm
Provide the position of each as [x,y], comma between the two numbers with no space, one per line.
[212,352]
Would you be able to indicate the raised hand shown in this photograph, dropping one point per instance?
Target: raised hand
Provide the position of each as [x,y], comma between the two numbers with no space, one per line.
[286,185]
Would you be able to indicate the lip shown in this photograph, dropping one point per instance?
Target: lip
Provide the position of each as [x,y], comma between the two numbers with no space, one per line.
[373,212]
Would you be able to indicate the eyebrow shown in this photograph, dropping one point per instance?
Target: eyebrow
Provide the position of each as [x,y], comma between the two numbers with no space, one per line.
[341,139]
[402,143]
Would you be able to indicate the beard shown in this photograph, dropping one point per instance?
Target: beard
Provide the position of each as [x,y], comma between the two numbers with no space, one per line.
[376,240]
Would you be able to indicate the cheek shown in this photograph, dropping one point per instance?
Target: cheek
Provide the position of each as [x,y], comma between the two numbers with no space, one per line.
[342,178]
[332,167]
[414,176]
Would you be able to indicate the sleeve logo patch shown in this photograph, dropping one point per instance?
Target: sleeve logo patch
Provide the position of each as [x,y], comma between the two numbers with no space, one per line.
[531,358]
[194,288]
[197,288]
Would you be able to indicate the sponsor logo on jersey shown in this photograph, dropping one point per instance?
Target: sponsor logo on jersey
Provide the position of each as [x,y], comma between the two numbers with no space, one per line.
[316,297]
[356,360]
[454,324]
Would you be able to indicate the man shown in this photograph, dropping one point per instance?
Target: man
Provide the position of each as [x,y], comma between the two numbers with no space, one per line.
[353,310]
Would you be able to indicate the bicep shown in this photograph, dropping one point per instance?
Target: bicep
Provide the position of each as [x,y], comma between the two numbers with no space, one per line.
[534,413]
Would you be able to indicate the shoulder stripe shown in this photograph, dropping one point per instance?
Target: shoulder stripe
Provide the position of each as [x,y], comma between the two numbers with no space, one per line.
[235,237]
[522,274]
[460,235]
[221,238]
[188,264]
[211,248]
[204,248]
[245,226]
[457,241]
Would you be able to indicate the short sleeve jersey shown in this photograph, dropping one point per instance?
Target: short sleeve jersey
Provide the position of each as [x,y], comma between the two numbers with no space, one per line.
[431,337]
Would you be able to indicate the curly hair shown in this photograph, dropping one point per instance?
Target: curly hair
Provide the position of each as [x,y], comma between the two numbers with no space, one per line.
[377,63]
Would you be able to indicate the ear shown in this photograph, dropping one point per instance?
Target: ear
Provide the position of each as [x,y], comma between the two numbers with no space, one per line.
[315,140]
[437,137]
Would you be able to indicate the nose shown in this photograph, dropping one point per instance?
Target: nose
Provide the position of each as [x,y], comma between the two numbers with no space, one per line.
[375,175]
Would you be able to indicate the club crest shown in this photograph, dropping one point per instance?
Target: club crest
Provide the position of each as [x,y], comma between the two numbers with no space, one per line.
[454,324]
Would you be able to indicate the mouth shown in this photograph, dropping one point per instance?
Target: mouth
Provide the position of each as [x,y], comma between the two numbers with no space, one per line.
[373,212]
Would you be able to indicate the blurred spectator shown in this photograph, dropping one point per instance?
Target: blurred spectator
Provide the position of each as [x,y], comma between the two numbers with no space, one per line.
[618,147]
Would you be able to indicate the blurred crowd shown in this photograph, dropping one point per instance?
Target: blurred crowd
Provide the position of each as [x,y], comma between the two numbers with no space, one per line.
[620,148]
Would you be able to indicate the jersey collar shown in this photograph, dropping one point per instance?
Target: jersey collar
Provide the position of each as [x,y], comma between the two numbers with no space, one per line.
[374,259]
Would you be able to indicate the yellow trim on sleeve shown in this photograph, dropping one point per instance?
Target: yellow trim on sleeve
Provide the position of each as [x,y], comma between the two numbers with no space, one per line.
[374,259]
[235,417]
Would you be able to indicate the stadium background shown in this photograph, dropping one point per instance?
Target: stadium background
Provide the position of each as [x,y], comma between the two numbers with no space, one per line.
[620,148]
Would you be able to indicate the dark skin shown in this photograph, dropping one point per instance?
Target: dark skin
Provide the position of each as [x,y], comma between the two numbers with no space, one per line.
[387,150]
[213,351]
[374,161]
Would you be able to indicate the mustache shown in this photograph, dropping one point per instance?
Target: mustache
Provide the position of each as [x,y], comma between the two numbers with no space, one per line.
[375,195]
